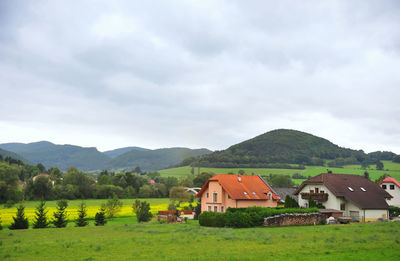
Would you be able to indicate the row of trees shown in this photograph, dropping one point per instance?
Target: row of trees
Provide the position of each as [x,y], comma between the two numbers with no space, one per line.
[60,220]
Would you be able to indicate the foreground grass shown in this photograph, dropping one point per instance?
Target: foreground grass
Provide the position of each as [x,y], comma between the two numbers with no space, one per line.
[393,169]
[124,239]
[92,205]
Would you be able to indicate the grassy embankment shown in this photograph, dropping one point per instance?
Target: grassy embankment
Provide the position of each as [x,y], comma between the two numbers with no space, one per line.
[93,206]
[124,239]
[393,169]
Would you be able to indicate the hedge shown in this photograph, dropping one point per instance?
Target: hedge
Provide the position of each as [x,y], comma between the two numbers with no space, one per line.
[212,219]
[245,217]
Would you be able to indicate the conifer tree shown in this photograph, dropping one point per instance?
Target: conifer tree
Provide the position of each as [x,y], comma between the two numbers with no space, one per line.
[82,219]
[100,218]
[20,221]
[40,218]
[60,216]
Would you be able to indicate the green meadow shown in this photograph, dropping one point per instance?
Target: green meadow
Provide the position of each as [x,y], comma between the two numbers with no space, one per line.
[124,239]
[393,169]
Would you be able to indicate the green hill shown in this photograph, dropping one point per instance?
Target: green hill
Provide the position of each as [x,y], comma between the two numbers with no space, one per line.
[115,153]
[154,159]
[6,153]
[278,146]
[61,156]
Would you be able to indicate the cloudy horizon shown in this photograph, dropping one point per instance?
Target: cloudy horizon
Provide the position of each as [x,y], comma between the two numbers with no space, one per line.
[199,74]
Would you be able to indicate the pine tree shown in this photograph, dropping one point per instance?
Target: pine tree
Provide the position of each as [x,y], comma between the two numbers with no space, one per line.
[82,219]
[60,216]
[40,218]
[290,202]
[20,221]
[100,218]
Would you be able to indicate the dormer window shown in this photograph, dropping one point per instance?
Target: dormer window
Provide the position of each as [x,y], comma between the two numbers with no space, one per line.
[351,189]
[239,179]
[363,189]
[270,195]
[254,193]
[244,192]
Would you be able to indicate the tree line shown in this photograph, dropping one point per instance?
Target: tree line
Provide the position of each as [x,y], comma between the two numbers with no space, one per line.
[20,181]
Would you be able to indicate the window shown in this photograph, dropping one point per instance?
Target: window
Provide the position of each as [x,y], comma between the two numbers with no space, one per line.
[209,208]
[391,187]
[343,206]
[363,189]
[229,196]
[215,209]
[316,190]
[311,191]
[207,194]
[350,188]
[215,197]
[384,186]
[254,193]
[244,192]
[270,195]
[222,208]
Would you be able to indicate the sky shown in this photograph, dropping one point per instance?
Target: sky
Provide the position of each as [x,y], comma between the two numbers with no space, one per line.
[199,74]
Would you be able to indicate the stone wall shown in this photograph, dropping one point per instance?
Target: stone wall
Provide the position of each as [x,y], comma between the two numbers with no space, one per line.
[293,219]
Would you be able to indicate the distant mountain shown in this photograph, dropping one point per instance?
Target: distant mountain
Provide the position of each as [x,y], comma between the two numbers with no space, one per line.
[151,160]
[61,156]
[6,153]
[115,153]
[278,146]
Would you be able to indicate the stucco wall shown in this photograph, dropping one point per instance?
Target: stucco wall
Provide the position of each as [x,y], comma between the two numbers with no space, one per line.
[332,202]
[395,193]
[224,201]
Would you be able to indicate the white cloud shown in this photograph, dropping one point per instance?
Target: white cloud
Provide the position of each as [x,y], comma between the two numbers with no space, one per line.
[199,73]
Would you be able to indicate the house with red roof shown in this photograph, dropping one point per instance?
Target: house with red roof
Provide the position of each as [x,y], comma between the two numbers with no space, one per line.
[352,195]
[392,186]
[236,191]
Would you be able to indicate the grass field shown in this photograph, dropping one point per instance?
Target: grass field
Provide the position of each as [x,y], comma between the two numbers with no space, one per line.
[393,169]
[124,239]
[93,206]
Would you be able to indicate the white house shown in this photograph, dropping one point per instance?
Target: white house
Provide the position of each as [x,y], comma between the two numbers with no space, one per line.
[392,186]
[358,197]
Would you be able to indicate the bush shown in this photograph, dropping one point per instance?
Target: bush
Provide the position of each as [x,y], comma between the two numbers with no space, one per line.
[212,219]
[290,202]
[240,219]
[9,204]
[142,211]
[112,206]
[100,218]
[394,211]
[20,221]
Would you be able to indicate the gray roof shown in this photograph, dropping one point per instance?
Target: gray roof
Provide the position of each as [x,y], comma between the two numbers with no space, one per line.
[282,192]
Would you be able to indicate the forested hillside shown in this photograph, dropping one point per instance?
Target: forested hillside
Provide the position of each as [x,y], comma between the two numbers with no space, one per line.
[115,153]
[60,156]
[284,147]
[5,153]
[154,159]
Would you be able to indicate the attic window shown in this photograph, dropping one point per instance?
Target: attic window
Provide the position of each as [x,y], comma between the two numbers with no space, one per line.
[254,193]
[244,192]
[350,188]
[239,179]
[363,189]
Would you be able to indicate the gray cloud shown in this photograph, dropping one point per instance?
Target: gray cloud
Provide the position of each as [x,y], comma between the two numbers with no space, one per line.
[199,73]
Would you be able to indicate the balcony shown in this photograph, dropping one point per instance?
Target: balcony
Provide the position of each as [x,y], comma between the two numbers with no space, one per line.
[320,197]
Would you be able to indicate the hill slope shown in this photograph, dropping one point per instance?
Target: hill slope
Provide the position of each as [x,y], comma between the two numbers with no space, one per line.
[6,153]
[154,159]
[61,156]
[277,146]
[115,153]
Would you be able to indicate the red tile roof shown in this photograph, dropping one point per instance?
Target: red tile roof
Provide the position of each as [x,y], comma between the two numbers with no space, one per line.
[390,180]
[236,188]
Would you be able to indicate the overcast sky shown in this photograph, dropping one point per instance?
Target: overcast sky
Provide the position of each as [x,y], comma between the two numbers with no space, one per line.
[196,74]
